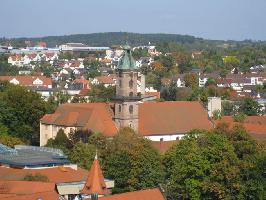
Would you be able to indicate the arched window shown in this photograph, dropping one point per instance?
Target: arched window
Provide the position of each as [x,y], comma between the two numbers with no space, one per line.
[130,84]
[119,108]
[120,83]
[131,94]
[130,109]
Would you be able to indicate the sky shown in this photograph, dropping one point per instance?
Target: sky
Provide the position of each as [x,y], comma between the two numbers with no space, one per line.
[209,19]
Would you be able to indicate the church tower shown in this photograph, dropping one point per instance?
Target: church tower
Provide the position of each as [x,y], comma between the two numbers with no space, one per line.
[126,99]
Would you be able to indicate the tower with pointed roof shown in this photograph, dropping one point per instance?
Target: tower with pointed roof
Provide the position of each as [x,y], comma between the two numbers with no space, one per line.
[126,99]
[95,186]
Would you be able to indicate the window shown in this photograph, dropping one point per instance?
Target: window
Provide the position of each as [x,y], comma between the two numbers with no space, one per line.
[161,139]
[120,83]
[177,138]
[119,108]
[131,74]
[130,109]
[130,84]
[131,94]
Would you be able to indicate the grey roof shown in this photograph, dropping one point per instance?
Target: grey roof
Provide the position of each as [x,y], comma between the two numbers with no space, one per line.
[30,156]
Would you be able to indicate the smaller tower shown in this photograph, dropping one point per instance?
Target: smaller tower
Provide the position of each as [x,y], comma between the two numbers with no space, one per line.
[127,97]
[95,186]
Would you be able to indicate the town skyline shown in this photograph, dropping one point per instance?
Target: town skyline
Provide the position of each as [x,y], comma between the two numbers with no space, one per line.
[238,20]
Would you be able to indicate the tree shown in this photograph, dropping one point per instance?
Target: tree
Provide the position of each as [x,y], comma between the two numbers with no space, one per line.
[9,140]
[209,166]
[231,62]
[20,112]
[132,162]
[83,154]
[100,93]
[191,80]
[169,93]
[227,108]
[250,107]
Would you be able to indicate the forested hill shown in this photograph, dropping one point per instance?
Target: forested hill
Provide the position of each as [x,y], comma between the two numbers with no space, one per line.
[114,38]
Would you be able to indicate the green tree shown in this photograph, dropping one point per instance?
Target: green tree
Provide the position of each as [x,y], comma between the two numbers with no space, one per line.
[83,154]
[250,107]
[203,166]
[191,80]
[100,93]
[20,112]
[132,162]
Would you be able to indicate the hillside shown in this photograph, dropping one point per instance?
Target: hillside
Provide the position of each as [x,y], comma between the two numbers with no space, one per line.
[112,38]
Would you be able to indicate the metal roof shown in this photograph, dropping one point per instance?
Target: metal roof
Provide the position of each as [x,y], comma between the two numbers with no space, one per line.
[30,156]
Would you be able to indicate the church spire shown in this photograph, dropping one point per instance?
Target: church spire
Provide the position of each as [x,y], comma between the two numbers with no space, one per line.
[95,184]
[127,62]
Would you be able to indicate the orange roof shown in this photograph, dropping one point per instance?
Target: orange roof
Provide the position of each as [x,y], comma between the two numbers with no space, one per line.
[28,80]
[27,190]
[92,116]
[157,94]
[55,174]
[105,79]
[255,125]
[172,117]
[163,146]
[95,182]
[149,194]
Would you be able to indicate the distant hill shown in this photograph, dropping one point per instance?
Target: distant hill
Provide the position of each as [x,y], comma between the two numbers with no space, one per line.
[114,38]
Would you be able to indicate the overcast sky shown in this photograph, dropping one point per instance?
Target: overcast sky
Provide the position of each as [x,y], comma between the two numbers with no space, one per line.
[210,19]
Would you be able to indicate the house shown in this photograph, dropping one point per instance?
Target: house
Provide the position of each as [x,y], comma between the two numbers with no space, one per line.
[255,125]
[105,80]
[40,84]
[24,190]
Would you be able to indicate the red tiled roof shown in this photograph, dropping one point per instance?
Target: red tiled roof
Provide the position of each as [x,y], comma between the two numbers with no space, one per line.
[172,117]
[163,146]
[157,94]
[255,125]
[92,116]
[95,182]
[28,80]
[27,190]
[149,194]
[105,79]
[55,174]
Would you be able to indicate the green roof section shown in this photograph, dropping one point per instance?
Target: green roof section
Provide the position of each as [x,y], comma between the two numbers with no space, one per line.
[127,61]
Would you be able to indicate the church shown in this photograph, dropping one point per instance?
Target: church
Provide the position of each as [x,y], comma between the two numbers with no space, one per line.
[157,121]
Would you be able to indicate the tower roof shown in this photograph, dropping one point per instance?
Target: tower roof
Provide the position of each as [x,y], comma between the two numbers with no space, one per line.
[127,61]
[95,182]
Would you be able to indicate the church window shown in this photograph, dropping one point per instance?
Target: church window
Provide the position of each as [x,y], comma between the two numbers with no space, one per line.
[161,139]
[119,108]
[120,83]
[130,84]
[131,94]
[131,109]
